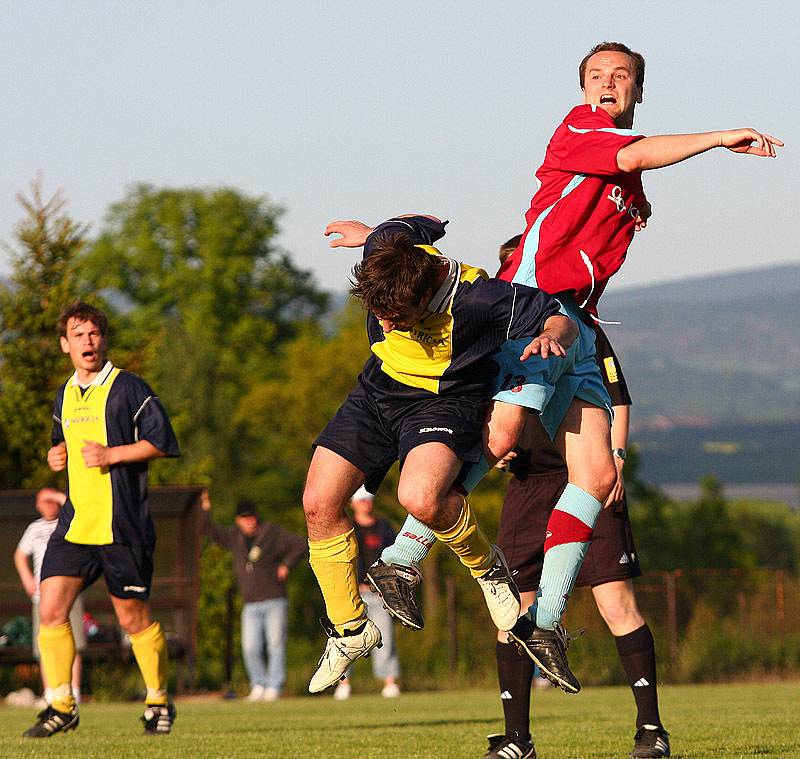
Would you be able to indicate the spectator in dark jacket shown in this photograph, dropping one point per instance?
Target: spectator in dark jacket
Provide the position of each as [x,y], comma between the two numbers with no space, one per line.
[263,554]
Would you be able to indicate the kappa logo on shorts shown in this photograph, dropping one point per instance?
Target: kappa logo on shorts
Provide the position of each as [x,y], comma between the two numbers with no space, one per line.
[435,429]
[135,588]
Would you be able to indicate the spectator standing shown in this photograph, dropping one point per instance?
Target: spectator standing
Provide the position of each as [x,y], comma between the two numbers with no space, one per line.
[263,554]
[373,534]
[28,561]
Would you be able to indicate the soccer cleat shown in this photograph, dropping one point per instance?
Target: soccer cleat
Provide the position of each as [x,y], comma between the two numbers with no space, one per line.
[650,742]
[50,721]
[500,592]
[341,651]
[503,747]
[256,694]
[548,649]
[390,690]
[158,718]
[342,691]
[396,585]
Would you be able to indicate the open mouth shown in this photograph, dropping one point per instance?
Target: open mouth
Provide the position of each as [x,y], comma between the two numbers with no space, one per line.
[607,99]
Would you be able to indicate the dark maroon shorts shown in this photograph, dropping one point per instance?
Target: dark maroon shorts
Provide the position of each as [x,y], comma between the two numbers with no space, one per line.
[523,522]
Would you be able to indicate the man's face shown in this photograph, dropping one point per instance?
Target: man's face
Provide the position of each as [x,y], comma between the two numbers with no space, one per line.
[609,81]
[48,505]
[85,345]
[362,507]
[247,524]
[406,318]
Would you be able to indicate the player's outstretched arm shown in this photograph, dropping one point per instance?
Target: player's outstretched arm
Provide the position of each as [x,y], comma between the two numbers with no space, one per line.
[97,454]
[667,149]
[353,233]
[558,334]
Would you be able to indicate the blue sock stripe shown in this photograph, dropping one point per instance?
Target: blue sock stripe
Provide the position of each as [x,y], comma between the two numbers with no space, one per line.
[409,550]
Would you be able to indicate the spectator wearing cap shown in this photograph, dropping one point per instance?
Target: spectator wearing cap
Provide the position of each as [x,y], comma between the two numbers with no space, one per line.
[263,553]
[373,533]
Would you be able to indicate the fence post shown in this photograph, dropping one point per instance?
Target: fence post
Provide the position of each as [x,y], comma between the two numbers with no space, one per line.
[671,589]
[228,691]
[780,601]
[452,622]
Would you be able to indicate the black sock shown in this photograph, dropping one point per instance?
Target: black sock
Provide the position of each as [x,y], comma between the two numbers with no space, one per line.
[638,656]
[515,673]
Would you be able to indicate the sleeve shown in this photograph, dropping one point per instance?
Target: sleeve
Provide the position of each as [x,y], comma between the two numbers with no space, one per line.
[587,142]
[611,370]
[151,421]
[57,432]
[423,230]
[25,544]
[222,536]
[294,547]
[517,311]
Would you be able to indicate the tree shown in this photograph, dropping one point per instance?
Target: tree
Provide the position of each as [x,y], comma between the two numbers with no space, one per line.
[210,299]
[32,366]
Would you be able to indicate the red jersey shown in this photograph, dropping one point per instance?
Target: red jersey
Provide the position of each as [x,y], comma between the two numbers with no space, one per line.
[581,220]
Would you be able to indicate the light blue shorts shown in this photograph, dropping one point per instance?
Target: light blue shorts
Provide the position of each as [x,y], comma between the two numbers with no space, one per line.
[550,385]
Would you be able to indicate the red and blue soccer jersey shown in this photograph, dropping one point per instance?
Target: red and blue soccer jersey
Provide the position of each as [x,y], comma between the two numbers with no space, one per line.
[581,220]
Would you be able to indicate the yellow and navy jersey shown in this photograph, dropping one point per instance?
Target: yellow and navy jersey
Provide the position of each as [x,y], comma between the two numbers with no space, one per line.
[449,351]
[108,504]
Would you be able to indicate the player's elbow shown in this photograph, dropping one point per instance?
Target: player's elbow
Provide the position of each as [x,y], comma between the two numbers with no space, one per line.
[629,160]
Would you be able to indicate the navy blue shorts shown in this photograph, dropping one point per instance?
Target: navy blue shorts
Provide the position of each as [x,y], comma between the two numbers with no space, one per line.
[377,426]
[128,569]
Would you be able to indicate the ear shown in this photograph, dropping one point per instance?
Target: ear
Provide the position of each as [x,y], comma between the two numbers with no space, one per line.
[640,96]
[64,344]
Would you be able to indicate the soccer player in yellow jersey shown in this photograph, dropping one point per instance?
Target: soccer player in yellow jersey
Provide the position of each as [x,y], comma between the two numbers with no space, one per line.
[107,425]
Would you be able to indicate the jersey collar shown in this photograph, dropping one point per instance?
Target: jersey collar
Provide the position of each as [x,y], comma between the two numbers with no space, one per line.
[442,297]
[101,377]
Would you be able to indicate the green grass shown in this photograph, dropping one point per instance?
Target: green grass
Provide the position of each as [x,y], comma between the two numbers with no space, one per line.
[742,720]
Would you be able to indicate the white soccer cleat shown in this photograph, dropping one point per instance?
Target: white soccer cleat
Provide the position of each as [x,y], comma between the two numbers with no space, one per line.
[500,592]
[341,651]
[342,692]
[256,694]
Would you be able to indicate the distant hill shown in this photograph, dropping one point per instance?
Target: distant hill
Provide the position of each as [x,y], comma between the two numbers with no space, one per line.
[724,347]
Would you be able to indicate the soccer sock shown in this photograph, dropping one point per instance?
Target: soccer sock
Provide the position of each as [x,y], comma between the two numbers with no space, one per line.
[515,674]
[150,650]
[569,533]
[415,539]
[411,545]
[638,656]
[335,564]
[467,541]
[57,651]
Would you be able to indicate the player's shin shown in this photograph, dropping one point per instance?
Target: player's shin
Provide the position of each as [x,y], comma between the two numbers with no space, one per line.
[466,539]
[57,650]
[568,536]
[335,565]
[150,651]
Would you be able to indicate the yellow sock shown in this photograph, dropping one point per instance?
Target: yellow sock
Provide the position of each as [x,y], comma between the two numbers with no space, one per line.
[335,564]
[467,541]
[150,649]
[57,652]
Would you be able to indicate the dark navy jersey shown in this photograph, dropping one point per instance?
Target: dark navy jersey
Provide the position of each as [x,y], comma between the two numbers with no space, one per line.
[108,504]
[449,351]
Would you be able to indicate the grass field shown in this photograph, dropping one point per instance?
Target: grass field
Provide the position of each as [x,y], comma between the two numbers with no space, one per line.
[743,720]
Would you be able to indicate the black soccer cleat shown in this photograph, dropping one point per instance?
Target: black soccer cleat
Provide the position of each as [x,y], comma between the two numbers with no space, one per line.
[158,718]
[650,743]
[396,585]
[503,747]
[51,721]
[548,649]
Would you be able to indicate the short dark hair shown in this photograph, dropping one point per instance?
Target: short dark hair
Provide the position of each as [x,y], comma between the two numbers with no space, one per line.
[82,312]
[395,275]
[615,47]
[508,247]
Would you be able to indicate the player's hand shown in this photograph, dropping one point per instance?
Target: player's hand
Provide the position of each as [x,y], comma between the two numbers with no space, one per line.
[645,212]
[503,463]
[545,345]
[749,141]
[205,500]
[615,496]
[57,457]
[283,572]
[29,583]
[95,454]
[353,233]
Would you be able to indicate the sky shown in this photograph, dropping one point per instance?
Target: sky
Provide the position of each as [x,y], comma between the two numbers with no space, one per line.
[359,110]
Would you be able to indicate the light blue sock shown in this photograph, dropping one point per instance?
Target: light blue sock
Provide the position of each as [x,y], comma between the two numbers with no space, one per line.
[569,534]
[411,545]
